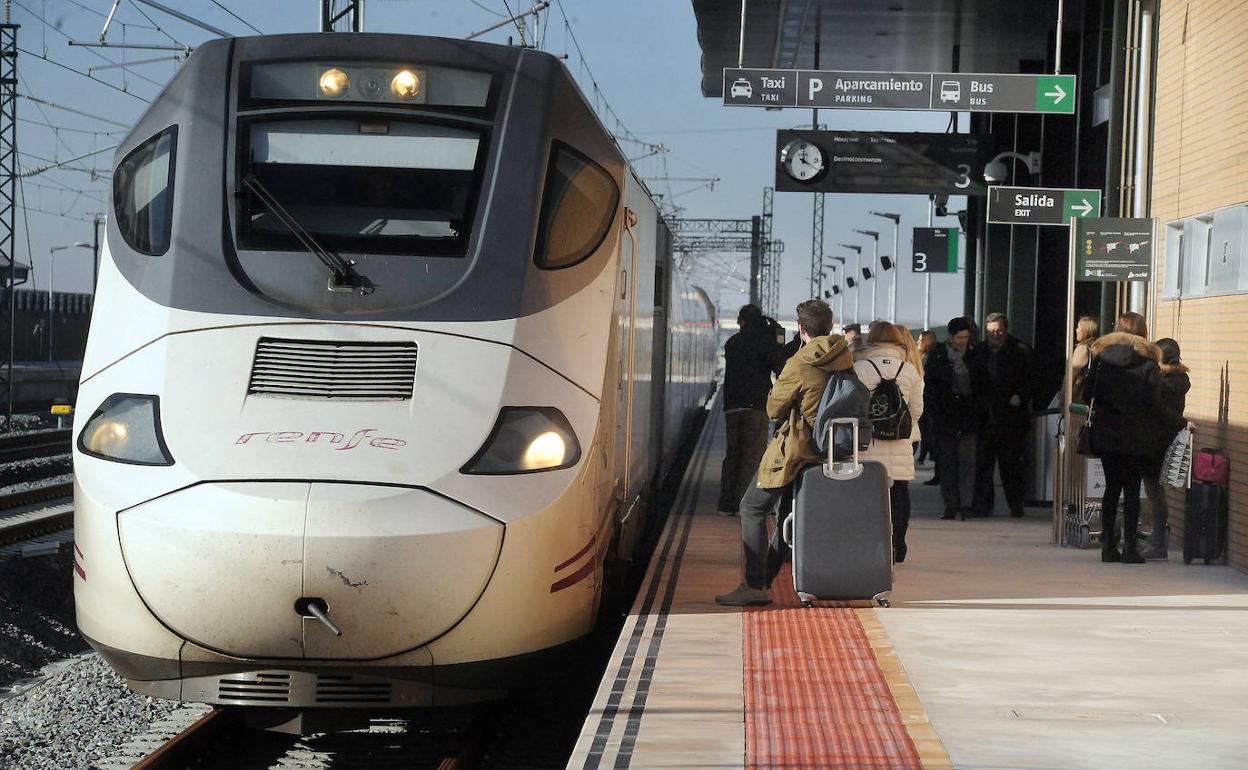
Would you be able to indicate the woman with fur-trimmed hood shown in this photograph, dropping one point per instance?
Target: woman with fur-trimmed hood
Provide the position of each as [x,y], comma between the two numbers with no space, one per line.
[1129,426]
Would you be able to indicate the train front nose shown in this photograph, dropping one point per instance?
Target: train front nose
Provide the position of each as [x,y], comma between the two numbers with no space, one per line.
[394,566]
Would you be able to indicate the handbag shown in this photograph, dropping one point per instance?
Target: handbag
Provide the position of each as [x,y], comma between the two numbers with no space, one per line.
[1084,447]
[1176,465]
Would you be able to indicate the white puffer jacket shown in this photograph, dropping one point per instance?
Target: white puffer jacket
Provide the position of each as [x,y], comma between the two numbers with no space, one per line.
[897,455]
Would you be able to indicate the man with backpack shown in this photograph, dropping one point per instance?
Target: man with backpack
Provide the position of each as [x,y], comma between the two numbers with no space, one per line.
[794,404]
[895,406]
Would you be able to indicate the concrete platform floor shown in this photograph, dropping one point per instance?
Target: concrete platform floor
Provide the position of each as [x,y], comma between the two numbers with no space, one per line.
[1029,656]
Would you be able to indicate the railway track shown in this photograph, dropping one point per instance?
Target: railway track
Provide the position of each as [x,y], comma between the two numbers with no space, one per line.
[46,443]
[220,739]
[55,512]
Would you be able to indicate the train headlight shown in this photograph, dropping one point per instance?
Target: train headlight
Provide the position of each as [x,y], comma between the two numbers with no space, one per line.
[126,429]
[334,82]
[405,85]
[526,439]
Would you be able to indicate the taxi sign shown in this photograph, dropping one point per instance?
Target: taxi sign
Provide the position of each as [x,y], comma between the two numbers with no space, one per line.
[62,409]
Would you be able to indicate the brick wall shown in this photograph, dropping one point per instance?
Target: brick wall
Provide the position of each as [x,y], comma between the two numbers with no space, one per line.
[1200,163]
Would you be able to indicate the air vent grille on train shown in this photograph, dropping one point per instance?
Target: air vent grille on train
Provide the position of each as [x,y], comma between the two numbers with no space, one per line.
[344,689]
[257,688]
[362,371]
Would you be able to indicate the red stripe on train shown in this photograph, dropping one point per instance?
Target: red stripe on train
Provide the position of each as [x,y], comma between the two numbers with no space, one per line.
[585,571]
[579,553]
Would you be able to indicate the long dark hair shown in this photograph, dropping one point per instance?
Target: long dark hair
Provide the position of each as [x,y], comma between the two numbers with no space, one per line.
[1169,351]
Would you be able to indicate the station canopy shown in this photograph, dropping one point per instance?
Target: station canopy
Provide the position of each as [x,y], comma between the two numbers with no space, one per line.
[982,36]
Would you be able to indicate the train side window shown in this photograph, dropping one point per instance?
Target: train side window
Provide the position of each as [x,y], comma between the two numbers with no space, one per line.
[143,194]
[578,207]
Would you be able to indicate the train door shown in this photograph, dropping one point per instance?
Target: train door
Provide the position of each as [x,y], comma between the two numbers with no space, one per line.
[626,330]
[659,352]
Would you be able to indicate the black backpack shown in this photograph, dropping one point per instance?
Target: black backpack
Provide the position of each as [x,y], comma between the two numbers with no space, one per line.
[843,396]
[890,416]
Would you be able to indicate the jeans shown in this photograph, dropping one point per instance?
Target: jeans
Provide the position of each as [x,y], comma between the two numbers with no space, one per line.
[763,557]
[956,466]
[1161,513]
[747,440]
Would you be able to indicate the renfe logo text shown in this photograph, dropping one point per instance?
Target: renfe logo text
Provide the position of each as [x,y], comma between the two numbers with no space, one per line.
[325,437]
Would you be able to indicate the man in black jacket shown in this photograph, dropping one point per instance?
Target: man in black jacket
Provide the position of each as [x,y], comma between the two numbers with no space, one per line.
[1003,441]
[751,356]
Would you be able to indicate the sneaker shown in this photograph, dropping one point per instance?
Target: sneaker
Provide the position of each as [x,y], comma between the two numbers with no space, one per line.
[722,512]
[744,596]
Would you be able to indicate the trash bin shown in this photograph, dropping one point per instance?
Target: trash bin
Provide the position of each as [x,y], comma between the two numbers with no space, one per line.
[1040,459]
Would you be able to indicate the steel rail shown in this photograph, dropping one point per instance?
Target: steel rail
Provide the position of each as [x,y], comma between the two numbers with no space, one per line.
[26,529]
[42,444]
[186,748]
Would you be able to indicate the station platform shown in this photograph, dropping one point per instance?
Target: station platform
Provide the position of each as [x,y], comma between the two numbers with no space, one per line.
[1000,651]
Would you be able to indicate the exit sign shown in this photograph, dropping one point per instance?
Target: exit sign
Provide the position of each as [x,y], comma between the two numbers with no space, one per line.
[1041,205]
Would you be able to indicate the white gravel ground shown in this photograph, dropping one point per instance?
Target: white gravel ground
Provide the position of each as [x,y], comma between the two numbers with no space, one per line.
[77,714]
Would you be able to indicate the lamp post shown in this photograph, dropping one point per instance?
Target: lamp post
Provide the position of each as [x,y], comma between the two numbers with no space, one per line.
[52,282]
[857,278]
[896,220]
[839,294]
[875,263]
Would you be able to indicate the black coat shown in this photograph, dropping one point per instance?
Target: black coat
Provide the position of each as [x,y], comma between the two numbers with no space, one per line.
[1010,374]
[952,414]
[751,356]
[1123,386]
[1174,387]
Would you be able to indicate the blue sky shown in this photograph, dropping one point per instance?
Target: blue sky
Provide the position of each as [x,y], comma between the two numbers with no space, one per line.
[643,55]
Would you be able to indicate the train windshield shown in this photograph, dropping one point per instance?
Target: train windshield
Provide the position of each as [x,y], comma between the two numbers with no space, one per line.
[364,185]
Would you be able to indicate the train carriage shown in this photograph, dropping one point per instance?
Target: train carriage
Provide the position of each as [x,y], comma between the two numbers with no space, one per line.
[387,353]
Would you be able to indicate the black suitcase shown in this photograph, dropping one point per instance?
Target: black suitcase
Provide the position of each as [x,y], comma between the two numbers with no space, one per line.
[841,531]
[1204,524]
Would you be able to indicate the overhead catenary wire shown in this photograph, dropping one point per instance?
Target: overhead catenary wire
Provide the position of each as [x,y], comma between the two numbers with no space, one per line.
[70,129]
[74,111]
[182,16]
[64,163]
[94,53]
[251,26]
[85,75]
[159,29]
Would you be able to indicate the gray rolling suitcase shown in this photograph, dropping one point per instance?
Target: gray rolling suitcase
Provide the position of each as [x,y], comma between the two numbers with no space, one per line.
[841,530]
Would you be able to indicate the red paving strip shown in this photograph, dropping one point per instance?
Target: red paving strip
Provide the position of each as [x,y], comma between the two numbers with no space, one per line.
[814,695]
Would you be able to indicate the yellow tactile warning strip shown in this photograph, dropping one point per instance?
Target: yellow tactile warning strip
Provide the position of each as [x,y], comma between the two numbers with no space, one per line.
[675,690]
[931,750]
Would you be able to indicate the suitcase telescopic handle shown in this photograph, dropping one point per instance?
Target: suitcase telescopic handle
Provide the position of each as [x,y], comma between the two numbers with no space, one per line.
[842,471]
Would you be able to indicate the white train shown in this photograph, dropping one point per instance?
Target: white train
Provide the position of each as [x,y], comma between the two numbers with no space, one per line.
[388,352]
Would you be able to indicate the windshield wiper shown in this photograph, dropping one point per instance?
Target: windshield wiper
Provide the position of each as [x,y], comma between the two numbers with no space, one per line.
[343,275]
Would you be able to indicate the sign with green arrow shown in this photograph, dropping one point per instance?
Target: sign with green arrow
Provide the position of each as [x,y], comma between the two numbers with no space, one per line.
[1041,205]
[942,91]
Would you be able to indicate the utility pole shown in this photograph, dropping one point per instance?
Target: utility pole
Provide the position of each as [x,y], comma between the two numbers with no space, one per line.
[330,16]
[8,198]
[756,258]
[770,270]
[816,235]
[875,266]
